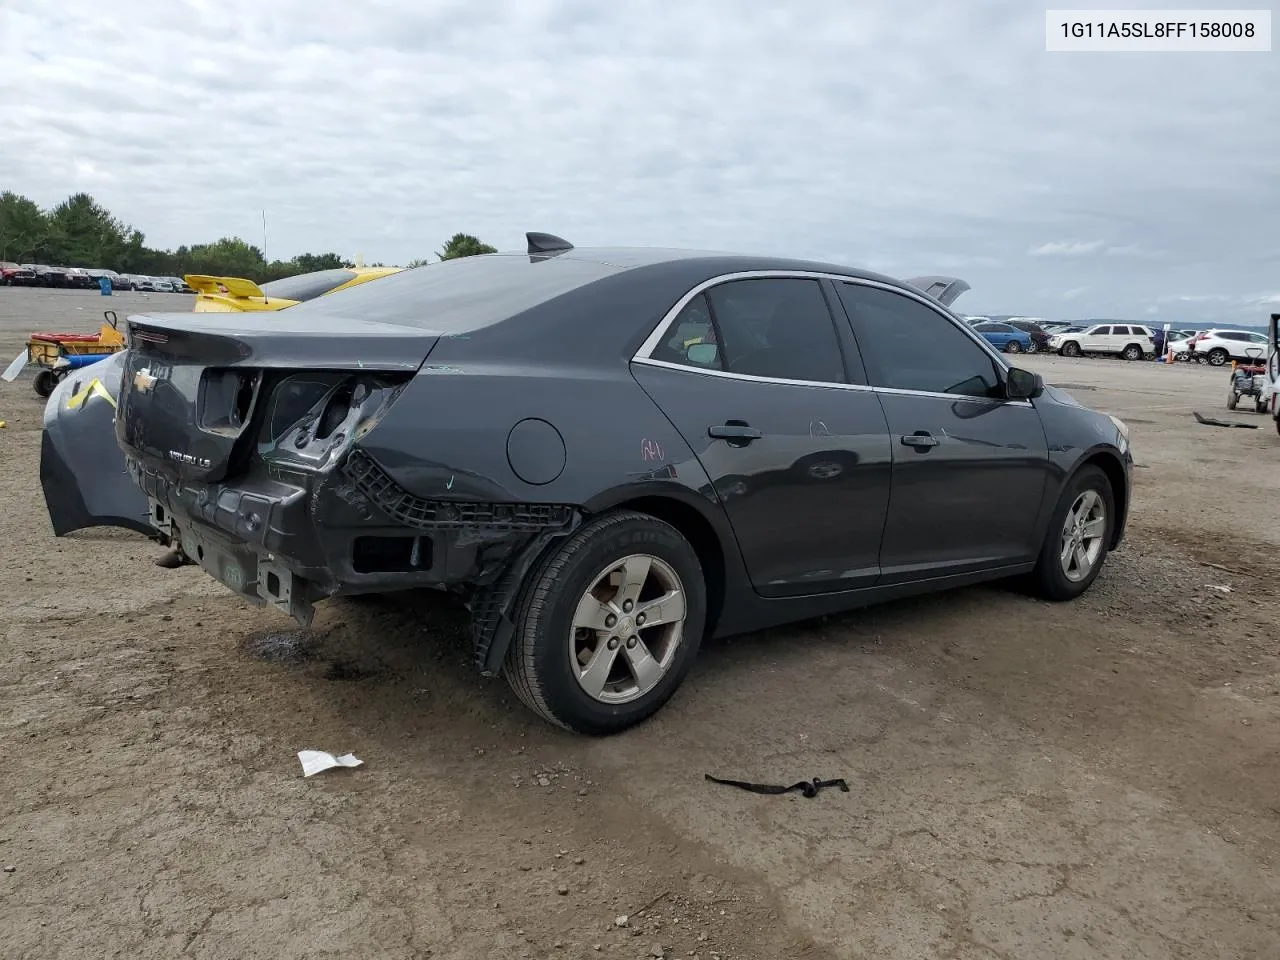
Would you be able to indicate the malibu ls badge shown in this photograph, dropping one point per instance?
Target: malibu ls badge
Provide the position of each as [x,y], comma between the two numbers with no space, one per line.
[144,380]
[190,458]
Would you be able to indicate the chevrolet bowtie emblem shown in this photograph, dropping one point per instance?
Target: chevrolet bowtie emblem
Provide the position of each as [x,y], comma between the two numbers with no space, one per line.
[143,381]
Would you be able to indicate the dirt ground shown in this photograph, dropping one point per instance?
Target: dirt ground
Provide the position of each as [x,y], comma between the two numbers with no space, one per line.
[1098,779]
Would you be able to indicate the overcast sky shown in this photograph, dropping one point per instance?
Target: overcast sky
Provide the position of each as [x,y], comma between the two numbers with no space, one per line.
[905,137]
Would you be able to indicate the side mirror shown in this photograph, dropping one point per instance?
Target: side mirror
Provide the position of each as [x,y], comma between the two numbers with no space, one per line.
[702,354]
[1023,384]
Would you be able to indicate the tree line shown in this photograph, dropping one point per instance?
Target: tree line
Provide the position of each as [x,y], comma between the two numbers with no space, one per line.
[80,232]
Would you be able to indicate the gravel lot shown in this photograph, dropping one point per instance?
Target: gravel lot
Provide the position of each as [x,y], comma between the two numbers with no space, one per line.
[1028,781]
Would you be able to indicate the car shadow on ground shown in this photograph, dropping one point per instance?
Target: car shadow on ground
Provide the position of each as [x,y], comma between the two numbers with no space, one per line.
[402,663]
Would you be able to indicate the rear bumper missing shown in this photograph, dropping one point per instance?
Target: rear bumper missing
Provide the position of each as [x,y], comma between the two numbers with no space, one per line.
[289,539]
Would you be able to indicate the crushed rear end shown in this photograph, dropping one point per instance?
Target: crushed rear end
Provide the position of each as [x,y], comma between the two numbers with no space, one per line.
[242,435]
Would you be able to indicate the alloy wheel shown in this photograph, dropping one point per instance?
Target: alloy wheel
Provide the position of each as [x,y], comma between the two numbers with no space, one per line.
[627,629]
[1082,533]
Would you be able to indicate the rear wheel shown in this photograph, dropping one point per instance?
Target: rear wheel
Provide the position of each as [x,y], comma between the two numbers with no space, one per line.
[1076,545]
[608,625]
[1032,347]
[1217,357]
[1071,349]
[1132,352]
[1013,346]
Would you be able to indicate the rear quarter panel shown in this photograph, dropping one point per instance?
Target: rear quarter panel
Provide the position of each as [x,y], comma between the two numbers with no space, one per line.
[582,434]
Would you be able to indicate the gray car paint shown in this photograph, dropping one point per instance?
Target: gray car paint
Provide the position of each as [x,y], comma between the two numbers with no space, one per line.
[566,361]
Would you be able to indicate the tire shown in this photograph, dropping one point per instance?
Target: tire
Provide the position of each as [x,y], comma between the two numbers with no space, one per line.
[1070,349]
[1034,348]
[1013,346]
[1232,399]
[1217,357]
[1259,405]
[1050,580]
[548,663]
[45,381]
[1132,352]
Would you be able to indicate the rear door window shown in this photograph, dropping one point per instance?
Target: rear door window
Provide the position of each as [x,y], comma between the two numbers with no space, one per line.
[691,339]
[777,327]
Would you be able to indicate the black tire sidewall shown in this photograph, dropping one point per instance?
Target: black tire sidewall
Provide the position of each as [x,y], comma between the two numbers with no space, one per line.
[545,632]
[1054,583]
[45,382]
[1071,349]
[1129,348]
[1217,357]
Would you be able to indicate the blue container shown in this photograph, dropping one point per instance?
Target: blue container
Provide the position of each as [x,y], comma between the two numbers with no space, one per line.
[77,360]
[104,284]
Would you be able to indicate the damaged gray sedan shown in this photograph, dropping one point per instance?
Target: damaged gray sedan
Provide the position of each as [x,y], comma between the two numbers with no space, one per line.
[611,454]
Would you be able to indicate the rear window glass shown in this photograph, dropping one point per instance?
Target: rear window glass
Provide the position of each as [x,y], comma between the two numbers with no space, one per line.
[307,286]
[468,293]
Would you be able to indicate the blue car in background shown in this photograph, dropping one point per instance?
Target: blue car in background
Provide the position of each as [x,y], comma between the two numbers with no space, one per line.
[1004,337]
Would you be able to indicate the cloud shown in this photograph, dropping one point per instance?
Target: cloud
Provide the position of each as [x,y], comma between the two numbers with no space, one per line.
[1066,248]
[1075,293]
[945,139]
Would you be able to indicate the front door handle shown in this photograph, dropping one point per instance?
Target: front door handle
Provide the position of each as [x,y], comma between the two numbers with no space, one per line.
[737,432]
[920,440]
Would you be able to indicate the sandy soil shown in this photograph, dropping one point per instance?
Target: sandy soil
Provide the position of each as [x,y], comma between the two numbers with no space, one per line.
[1092,780]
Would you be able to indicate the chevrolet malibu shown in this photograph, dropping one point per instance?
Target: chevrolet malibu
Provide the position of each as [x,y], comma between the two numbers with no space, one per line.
[612,454]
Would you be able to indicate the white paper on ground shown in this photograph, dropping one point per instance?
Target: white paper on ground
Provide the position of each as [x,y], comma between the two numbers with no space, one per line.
[314,761]
[12,370]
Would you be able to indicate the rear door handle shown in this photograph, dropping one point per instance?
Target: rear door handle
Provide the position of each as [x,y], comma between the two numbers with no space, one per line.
[734,431]
[920,440]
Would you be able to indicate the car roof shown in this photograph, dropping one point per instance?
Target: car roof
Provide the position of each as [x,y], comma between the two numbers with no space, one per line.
[562,302]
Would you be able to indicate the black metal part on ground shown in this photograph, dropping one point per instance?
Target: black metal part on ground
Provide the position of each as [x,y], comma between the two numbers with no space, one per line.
[1214,422]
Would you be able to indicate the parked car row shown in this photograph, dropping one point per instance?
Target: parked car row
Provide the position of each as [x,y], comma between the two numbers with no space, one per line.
[1218,347]
[40,275]
[1014,335]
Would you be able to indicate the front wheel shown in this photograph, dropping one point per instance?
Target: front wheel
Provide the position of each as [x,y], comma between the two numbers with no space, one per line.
[1071,349]
[1232,399]
[1217,357]
[1013,346]
[1076,545]
[608,625]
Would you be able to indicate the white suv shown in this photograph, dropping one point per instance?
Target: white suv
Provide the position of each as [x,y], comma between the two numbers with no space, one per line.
[1216,347]
[1129,340]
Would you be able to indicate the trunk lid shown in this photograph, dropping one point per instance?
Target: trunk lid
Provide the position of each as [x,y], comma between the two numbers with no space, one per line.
[196,388]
